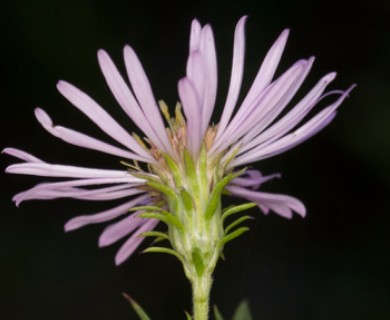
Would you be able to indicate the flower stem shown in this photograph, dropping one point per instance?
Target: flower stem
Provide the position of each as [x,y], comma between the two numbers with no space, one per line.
[201,287]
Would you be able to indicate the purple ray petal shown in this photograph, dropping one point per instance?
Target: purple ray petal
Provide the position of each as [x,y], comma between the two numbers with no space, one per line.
[263,77]
[121,229]
[133,242]
[236,75]
[196,74]
[207,47]
[268,67]
[21,155]
[55,170]
[253,179]
[67,185]
[275,95]
[192,111]
[145,97]
[80,139]
[291,119]
[125,97]
[281,204]
[48,192]
[285,143]
[271,110]
[89,182]
[104,216]
[196,30]
[100,117]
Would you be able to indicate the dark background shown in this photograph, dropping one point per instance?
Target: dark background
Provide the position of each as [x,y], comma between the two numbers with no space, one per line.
[334,264]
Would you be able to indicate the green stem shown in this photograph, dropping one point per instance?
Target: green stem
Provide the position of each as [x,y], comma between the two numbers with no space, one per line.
[201,287]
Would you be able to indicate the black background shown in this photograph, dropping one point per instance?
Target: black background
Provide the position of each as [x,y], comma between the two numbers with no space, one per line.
[334,264]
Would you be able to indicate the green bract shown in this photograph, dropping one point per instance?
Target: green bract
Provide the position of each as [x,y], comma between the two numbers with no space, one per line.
[188,201]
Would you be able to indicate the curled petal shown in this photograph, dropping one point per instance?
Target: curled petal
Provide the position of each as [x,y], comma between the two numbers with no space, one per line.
[281,204]
[307,130]
[291,119]
[275,96]
[253,179]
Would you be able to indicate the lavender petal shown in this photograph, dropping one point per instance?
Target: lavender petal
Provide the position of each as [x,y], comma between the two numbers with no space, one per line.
[120,229]
[100,117]
[192,111]
[236,75]
[145,97]
[281,204]
[82,140]
[133,242]
[103,216]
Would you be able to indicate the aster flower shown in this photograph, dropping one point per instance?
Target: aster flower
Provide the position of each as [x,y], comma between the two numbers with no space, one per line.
[178,171]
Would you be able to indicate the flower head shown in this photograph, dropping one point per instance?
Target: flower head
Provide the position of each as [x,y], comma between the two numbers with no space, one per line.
[178,171]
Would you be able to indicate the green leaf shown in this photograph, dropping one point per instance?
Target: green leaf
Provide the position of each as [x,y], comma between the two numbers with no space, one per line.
[146,208]
[235,209]
[232,236]
[191,173]
[188,316]
[236,223]
[154,215]
[157,240]
[187,199]
[231,155]
[163,250]
[136,307]
[243,312]
[215,196]
[174,169]
[169,192]
[164,216]
[145,176]
[217,314]
[157,234]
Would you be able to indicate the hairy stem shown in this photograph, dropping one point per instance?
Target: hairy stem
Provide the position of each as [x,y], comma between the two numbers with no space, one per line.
[201,287]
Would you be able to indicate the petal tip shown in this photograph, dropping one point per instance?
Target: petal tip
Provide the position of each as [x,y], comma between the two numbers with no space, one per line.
[195,22]
[43,117]
[103,57]
[60,84]
[103,242]
[69,226]
[101,53]
[128,48]
[119,260]
[286,32]
[6,150]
